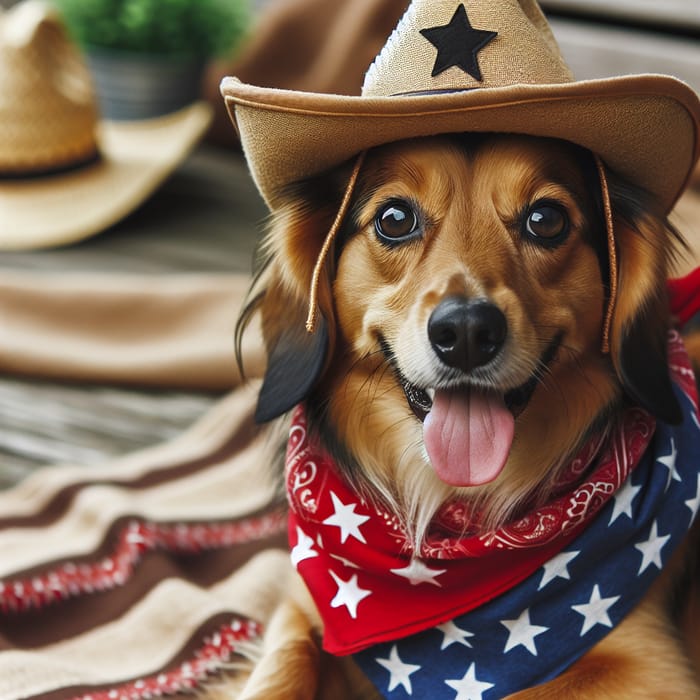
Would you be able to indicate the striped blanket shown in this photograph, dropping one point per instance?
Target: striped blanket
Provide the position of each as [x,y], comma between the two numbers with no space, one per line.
[154,574]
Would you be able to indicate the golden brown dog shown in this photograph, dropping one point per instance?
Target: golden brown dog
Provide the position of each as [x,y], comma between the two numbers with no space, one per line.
[473,271]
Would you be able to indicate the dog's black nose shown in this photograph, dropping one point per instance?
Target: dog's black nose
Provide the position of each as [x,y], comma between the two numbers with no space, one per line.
[467,333]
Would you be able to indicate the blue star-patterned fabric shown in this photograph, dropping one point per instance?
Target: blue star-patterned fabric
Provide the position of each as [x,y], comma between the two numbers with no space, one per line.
[534,632]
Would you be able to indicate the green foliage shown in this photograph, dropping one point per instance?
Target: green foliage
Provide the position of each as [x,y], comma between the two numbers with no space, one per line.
[197,27]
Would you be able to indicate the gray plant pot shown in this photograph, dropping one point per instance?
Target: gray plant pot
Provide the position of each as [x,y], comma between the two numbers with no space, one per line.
[132,85]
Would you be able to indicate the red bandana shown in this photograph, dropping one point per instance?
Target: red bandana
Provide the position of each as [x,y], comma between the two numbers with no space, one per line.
[355,556]
[685,296]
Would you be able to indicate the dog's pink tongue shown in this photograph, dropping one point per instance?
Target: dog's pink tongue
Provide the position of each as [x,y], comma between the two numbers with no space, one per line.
[468,435]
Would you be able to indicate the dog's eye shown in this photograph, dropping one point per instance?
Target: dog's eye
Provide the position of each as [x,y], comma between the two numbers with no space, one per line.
[395,221]
[546,220]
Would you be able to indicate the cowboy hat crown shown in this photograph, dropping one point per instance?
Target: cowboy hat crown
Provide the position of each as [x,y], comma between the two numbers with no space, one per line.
[492,45]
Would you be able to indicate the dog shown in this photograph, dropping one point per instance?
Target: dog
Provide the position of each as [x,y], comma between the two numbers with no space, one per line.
[470,280]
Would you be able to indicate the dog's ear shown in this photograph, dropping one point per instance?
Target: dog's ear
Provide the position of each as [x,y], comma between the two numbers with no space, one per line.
[641,319]
[296,357]
[295,362]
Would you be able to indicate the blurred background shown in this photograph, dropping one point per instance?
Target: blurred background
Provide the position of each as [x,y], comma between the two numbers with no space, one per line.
[609,37]
[599,37]
[205,217]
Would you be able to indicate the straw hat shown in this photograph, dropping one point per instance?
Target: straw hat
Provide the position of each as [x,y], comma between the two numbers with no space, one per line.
[64,174]
[477,66]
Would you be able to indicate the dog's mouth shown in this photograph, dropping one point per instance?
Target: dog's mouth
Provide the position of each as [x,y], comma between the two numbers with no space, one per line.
[468,430]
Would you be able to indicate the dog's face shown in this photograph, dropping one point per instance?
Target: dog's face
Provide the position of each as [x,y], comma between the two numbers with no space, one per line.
[465,314]
[471,301]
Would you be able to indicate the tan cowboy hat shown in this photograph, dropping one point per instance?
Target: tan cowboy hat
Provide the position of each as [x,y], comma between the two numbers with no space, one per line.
[472,66]
[64,174]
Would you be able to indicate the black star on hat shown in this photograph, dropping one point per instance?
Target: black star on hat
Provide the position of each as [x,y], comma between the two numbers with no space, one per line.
[458,44]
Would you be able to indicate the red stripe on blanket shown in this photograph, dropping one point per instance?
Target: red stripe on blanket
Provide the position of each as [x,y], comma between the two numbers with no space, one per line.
[59,582]
[207,654]
[216,651]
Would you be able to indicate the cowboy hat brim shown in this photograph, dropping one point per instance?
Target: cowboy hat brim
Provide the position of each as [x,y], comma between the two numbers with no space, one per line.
[135,158]
[643,127]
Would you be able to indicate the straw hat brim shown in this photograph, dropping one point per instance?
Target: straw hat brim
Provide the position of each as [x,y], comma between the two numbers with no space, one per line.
[644,127]
[136,157]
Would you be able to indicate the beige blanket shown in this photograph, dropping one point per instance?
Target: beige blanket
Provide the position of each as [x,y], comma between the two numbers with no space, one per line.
[156,572]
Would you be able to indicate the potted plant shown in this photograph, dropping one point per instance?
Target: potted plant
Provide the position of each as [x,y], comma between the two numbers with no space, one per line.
[148,56]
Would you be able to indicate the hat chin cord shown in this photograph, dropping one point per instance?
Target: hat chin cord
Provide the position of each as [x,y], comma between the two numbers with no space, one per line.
[312,316]
[612,255]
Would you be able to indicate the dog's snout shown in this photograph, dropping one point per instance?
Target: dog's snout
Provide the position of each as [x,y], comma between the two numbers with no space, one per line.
[467,333]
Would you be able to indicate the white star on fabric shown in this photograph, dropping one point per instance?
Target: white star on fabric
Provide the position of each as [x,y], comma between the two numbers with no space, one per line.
[557,567]
[400,671]
[453,635]
[695,419]
[651,549]
[346,519]
[522,633]
[694,503]
[623,501]
[595,611]
[469,687]
[349,594]
[669,461]
[417,572]
[303,549]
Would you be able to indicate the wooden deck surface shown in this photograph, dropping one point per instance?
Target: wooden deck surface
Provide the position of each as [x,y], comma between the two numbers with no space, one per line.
[205,218]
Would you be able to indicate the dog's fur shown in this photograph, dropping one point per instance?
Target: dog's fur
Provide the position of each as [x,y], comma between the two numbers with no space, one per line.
[471,196]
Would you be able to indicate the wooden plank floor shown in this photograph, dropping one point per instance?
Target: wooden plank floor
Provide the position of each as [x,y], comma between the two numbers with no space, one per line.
[205,218]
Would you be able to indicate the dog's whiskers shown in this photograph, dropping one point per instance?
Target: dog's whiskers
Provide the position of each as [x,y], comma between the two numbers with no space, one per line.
[365,386]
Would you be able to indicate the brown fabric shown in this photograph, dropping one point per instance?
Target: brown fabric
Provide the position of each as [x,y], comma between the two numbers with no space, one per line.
[174,331]
[306,45]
